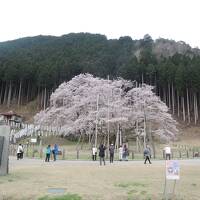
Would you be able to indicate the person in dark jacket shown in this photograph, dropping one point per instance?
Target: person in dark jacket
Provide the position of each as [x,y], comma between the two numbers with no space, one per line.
[102,149]
[125,153]
[55,152]
[147,155]
[112,150]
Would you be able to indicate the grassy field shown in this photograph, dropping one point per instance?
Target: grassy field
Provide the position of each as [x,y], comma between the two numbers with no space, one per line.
[83,180]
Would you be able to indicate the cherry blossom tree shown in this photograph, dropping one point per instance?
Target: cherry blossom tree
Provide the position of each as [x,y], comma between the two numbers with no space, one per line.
[101,107]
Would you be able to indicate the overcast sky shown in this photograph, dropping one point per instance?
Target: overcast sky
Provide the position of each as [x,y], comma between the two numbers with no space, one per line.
[170,19]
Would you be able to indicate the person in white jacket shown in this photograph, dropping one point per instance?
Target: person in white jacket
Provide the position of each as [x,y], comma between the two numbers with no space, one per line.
[94,153]
[120,153]
[20,152]
[167,151]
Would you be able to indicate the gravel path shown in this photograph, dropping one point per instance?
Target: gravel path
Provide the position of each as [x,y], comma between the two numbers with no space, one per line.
[13,162]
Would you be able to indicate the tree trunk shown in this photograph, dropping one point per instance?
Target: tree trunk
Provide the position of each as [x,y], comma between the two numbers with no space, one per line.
[145,129]
[169,96]
[19,94]
[1,95]
[164,96]
[108,117]
[183,106]
[178,105]
[195,109]
[195,114]
[5,93]
[27,96]
[120,136]
[155,84]
[142,78]
[188,106]
[42,99]
[9,94]
[173,106]
[96,129]
[117,140]
[152,141]
[14,97]
[45,98]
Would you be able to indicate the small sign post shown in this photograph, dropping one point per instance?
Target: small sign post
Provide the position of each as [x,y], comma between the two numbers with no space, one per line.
[172,168]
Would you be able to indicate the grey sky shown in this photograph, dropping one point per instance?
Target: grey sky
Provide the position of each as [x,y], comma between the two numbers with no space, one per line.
[171,19]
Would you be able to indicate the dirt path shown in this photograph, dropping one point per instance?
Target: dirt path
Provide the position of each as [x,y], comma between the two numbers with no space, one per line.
[37,162]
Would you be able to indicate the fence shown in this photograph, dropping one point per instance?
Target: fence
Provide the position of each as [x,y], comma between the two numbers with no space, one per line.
[36,151]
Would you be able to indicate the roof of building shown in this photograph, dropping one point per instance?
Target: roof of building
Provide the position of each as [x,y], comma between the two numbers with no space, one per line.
[10,113]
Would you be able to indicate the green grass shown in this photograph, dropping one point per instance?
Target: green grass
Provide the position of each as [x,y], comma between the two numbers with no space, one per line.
[135,190]
[63,197]
[130,184]
[10,177]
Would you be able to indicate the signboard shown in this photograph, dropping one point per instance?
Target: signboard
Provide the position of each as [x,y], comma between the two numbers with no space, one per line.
[33,140]
[172,170]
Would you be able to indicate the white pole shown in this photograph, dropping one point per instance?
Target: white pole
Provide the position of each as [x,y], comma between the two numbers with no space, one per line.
[108,118]
[144,126]
[97,120]
[120,135]
[120,127]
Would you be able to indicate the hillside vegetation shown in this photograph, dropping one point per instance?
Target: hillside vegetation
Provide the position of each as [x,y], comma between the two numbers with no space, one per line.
[31,68]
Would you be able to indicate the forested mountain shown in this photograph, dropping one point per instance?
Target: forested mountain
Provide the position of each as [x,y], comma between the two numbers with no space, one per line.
[33,67]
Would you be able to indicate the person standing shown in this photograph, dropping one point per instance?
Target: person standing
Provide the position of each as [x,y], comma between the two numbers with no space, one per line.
[102,149]
[22,153]
[120,153]
[48,153]
[112,151]
[125,153]
[19,152]
[167,151]
[55,152]
[94,153]
[148,147]
[147,154]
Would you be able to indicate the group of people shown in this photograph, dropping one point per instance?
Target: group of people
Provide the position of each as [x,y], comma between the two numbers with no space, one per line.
[50,151]
[123,153]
